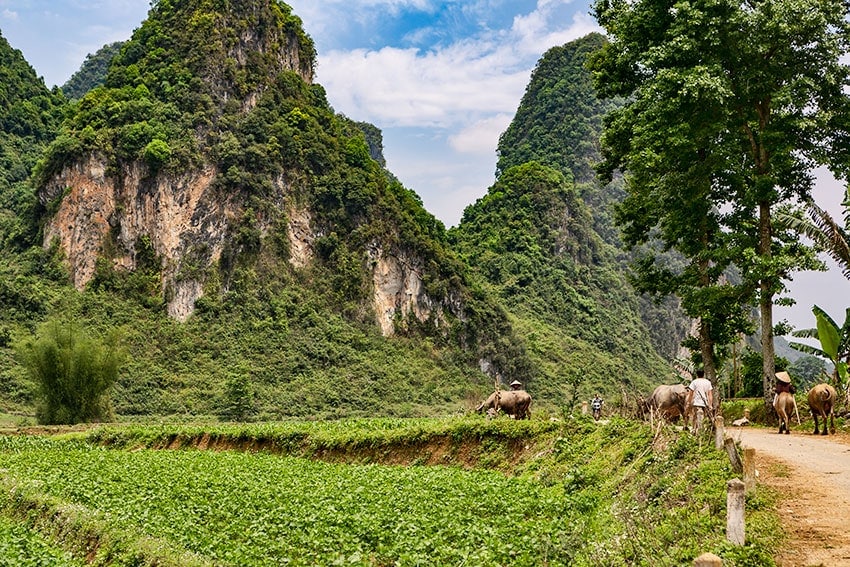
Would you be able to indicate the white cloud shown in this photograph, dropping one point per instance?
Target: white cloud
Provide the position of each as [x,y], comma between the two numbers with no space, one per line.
[540,30]
[405,87]
[10,15]
[452,86]
[482,137]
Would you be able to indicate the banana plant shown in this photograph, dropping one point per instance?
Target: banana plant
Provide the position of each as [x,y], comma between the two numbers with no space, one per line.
[834,341]
[824,230]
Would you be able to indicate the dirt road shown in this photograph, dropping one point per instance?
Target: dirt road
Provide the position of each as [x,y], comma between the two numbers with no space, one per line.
[815,472]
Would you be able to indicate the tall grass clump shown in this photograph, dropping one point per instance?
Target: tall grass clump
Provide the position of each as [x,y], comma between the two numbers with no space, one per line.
[73,372]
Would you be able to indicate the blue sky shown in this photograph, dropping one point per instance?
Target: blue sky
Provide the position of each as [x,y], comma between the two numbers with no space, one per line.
[441,78]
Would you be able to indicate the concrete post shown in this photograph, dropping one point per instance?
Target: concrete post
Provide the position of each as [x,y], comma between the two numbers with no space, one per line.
[749,469]
[584,408]
[708,560]
[719,432]
[735,527]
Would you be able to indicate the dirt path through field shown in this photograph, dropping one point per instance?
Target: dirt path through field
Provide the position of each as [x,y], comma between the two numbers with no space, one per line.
[814,471]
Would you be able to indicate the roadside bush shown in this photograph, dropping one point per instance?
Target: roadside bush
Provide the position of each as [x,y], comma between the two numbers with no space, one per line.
[73,373]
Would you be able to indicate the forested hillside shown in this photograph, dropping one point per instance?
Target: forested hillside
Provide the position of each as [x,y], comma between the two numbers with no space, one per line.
[29,118]
[318,285]
[558,124]
[258,260]
[93,71]
[531,238]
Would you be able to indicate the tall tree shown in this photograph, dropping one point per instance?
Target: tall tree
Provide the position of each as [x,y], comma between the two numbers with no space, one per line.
[733,103]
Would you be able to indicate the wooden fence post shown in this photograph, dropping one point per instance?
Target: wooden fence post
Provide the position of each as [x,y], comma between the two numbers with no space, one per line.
[749,469]
[734,457]
[708,560]
[719,432]
[735,527]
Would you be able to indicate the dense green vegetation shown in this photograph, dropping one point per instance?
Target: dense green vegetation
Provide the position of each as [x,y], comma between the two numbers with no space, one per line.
[583,494]
[22,546]
[736,120]
[531,239]
[92,73]
[266,340]
[29,117]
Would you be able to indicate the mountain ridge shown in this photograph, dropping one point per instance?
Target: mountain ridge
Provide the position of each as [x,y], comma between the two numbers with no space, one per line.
[267,223]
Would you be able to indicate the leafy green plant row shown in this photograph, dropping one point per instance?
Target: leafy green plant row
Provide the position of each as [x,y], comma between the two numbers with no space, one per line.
[22,546]
[306,438]
[41,523]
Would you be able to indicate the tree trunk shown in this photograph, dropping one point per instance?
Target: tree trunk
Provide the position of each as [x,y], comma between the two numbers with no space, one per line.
[706,346]
[706,342]
[766,306]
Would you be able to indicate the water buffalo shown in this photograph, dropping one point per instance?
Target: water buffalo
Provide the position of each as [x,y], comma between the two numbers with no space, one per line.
[821,401]
[785,405]
[668,401]
[516,403]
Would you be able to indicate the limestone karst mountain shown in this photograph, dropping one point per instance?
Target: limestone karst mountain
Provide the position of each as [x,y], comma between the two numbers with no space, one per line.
[210,147]
[250,243]
[544,241]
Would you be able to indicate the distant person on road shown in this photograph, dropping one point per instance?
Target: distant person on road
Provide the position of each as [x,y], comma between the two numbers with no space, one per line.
[596,406]
[700,400]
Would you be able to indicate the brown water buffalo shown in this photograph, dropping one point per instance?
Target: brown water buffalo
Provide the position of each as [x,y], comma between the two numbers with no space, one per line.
[668,401]
[785,406]
[822,398]
[515,403]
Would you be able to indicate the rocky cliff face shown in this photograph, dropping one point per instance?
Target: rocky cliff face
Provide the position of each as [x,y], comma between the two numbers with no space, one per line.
[399,289]
[101,212]
[182,215]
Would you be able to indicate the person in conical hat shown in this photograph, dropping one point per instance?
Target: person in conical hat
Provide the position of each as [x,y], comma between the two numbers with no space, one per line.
[783,384]
[516,385]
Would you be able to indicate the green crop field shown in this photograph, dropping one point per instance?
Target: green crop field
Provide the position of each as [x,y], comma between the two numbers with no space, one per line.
[323,493]
[262,509]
